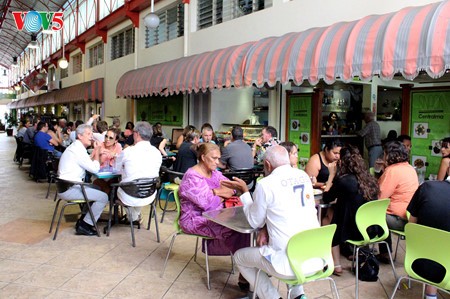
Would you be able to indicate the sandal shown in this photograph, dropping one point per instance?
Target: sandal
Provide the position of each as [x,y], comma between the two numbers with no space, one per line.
[337,270]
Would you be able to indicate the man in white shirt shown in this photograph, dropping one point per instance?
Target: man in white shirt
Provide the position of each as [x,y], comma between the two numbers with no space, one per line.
[142,160]
[74,163]
[283,202]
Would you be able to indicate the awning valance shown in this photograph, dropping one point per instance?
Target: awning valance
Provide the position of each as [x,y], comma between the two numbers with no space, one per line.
[91,91]
[408,41]
[216,69]
[411,40]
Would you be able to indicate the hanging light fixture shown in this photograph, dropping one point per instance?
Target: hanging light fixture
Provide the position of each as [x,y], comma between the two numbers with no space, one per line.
[33,43]
[151,20]
[63,63]
[17,87]
[14,61]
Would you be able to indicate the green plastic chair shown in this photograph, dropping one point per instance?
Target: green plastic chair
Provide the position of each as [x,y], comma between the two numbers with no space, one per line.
[179,231]
[370,213]
[418,241]
[306,245]
[400,236]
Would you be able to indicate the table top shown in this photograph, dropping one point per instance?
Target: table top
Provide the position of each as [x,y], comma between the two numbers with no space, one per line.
[107,175]
[233,218]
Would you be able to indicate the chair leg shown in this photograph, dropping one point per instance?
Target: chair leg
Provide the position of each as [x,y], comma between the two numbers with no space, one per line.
[392,261]
[168,253]
[196,248]
[397,285]
[333,287]
[207,266]
[153,212]
[256,284]
[356,257]
[54,215]
[61,213]
[165,205]
[48,188]
[396,248]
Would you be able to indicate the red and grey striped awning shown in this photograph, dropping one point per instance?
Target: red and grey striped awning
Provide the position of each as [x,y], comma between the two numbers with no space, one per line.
[408,41]
[91,91]
[411,40]
[216,69]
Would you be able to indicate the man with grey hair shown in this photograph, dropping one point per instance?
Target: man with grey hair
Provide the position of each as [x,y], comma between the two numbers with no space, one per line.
[237,154]
[74,163]
[283,203]
[142,160]
[372,137]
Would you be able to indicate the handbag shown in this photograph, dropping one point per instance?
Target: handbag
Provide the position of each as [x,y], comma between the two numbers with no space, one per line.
[368,266]
[233,201]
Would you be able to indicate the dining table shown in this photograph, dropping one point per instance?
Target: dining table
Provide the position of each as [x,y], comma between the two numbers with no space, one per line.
[234,218]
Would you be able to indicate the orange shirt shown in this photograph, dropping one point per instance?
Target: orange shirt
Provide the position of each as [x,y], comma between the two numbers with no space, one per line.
[398,182]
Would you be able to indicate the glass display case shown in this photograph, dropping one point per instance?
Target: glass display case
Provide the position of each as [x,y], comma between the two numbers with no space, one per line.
[251,132]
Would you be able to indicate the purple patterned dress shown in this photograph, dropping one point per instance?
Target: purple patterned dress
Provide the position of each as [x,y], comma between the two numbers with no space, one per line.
[196,197]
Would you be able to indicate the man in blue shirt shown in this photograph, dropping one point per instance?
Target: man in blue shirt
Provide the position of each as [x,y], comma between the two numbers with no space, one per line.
[44,141]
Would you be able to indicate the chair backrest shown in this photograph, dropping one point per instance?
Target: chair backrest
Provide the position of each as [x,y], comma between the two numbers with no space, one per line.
[309,244]
[247,175]
[63,185]
[140,188]
[423,242]
[373,213]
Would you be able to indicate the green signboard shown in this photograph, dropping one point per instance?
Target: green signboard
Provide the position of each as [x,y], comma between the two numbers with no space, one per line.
[299,111]
[166,110]
[430,122]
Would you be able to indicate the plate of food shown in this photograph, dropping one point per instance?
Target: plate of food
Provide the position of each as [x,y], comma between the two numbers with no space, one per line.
[317,192]
[103,173]
[421,130]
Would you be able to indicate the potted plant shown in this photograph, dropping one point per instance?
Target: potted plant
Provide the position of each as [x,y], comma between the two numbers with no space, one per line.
[11,122]
[2,126]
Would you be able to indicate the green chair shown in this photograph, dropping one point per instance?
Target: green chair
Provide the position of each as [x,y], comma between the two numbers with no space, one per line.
[306,245]
[369,214]
[421,243]
[401,236]
[179,231]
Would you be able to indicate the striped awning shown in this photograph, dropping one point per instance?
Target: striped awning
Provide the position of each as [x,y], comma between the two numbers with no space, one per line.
[411,40]
[91,91]
[216,69]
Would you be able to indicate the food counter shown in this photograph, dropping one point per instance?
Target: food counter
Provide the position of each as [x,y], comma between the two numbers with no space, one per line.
[251,132]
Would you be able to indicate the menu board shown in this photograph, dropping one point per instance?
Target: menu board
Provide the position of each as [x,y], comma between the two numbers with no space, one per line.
[299,132]
[430,122]
[166,110]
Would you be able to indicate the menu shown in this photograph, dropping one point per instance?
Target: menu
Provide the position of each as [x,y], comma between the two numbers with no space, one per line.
[430,122]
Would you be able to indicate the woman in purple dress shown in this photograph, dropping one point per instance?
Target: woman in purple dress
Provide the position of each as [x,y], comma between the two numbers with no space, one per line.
[201,191]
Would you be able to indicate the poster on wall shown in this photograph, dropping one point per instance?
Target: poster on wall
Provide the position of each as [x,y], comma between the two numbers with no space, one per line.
[430,122]
[299,113]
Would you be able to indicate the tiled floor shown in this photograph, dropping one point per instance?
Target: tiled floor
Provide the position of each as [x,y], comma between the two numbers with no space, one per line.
[32,265]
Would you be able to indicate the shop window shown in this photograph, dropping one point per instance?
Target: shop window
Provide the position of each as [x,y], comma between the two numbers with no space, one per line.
[166,110]
[77,63]
[96,55]
[170,27]
[51,74]
[212,12]
[122,43]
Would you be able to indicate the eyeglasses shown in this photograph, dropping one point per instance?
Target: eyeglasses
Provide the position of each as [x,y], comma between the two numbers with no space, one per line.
[110,137]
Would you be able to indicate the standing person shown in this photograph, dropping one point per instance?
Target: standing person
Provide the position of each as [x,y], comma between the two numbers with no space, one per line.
[292,150]
[139,161]
[237,154]
[319,164]
[398,182]
[284,202]
[430,206]
[351,186]
[187,154]
[44,141]
[330,126]
[73,165]
[445,162]
[269,137]
[372,137]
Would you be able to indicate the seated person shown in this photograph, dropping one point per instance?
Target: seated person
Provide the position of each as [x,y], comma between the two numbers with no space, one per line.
[187,130]
[237,154]
[200,191]
[293,152]
[445,162]
[126,137]
[187,155]
[208,133]
[319,163]
[44,141]
[269,137]
[73,166]
[330,126]
[398,182]
[351,186]
[135,162]
[158,139]
[430,206]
